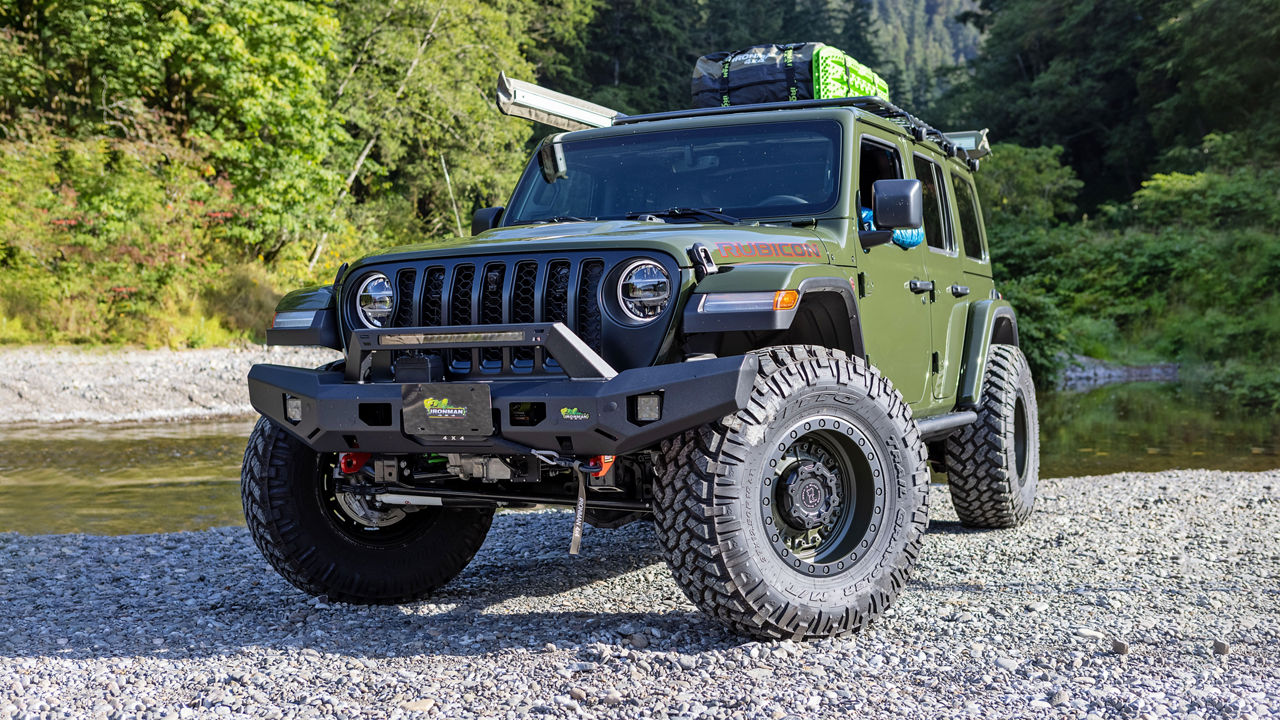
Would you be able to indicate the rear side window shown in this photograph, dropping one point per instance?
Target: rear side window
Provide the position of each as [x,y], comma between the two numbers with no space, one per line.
[970,230]
[937,231]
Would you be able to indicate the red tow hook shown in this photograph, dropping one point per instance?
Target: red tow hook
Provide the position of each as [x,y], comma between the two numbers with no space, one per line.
[351,463]
[605,462]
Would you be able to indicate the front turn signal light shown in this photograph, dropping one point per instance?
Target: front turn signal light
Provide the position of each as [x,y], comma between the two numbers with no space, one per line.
[785,299]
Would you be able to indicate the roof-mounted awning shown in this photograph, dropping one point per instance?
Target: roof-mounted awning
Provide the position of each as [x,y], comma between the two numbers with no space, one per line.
[531,102]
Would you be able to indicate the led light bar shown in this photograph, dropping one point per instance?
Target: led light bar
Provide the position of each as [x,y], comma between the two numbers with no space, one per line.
[526,100]
[448,338]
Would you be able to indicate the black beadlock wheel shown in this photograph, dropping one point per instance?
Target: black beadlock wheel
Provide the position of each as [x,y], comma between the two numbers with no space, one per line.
[339,545]
[993,466]
[802,515]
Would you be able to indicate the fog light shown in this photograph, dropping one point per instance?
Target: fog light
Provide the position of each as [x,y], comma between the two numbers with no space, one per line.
[648,408]
[293,409]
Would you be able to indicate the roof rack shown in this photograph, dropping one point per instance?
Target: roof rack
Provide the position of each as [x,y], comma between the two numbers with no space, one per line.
[526,100]
[919,129]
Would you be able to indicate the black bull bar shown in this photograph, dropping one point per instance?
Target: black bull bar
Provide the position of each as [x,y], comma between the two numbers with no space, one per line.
[582,406]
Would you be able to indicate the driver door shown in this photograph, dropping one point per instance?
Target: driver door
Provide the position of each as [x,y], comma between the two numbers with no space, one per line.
[895,319]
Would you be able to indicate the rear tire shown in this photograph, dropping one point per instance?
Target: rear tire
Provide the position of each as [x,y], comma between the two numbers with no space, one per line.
[802,515]
[317,542]
[993,466]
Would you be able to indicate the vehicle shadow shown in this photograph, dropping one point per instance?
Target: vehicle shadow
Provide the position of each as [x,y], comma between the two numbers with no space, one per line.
[205,594]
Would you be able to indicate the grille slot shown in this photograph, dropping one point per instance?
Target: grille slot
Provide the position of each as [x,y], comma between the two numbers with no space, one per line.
[491,287]
[460,307]
[404,295]
[590,324]
[432,297]
[524,290]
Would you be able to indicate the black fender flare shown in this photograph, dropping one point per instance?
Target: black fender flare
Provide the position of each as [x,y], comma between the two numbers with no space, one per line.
[697,322]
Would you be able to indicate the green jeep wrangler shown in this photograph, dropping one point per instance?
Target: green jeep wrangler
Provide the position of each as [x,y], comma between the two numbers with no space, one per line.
[713,319]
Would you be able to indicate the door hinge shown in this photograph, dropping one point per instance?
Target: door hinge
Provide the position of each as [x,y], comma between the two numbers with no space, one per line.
[936,363]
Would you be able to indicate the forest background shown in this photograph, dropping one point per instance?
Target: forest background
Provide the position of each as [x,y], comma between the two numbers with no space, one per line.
[168,167]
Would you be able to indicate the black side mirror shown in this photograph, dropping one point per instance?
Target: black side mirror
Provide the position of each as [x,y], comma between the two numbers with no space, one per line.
[897,204]
[485,219]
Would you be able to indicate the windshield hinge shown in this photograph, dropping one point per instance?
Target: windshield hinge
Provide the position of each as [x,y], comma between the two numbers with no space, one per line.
[703,264]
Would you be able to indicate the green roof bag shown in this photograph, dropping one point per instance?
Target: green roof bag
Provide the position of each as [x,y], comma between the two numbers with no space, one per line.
[779,73]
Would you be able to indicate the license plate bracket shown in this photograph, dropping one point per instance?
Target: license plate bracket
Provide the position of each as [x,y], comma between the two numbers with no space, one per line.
[448,410]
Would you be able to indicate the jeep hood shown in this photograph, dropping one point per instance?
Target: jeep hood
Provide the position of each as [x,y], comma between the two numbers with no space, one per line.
[729,244]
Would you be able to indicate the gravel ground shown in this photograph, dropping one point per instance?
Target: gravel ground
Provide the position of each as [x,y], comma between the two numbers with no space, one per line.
[1108,603]
[52,385]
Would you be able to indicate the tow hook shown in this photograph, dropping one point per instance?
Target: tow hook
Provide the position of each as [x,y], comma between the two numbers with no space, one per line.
[597,466]
[351,463]
[604,462]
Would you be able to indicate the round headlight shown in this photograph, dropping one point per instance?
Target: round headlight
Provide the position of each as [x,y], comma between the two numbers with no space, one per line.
[644,291]
[376,300]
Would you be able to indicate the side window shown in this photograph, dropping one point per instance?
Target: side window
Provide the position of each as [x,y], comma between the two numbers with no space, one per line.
[937,231]
[970,230]
[876,162]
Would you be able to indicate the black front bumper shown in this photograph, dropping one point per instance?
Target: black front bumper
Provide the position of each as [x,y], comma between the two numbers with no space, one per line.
[340,414]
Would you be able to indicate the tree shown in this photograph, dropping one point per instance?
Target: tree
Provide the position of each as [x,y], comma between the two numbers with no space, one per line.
[414,88]
[239,82]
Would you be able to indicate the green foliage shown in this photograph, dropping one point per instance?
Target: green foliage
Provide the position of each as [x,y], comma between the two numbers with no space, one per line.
[104,239]
[1026,186]
[1189,277]
[1067,73]
[414,89]
[239,83]
[1224,56]
[917,43]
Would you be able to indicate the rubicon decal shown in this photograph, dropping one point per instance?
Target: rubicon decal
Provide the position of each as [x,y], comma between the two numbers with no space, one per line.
[439,408]
[768,250]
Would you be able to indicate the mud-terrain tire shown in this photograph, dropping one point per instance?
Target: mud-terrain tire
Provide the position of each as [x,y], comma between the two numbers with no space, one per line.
[743,506]
[993,466]
[296,522]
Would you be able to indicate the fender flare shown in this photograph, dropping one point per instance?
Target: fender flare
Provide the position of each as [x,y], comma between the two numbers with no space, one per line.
[695,321]
[991,322]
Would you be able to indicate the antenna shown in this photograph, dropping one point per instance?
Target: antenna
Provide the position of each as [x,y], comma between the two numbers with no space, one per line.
[526,100]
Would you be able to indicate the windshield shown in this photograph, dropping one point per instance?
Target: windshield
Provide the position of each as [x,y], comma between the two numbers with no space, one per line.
[765,170]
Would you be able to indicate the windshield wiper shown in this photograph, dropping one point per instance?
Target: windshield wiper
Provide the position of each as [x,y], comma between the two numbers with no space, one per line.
[678,212]
[557,219]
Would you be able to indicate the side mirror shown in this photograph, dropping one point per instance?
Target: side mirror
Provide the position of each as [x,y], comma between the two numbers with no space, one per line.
[551,159]
[485,219]
[897,204]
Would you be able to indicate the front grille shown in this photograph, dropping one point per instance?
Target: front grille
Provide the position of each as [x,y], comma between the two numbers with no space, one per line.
[484,291]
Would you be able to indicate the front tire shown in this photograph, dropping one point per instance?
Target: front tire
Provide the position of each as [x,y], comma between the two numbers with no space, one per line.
[334,544]
[993,466]
[802,515]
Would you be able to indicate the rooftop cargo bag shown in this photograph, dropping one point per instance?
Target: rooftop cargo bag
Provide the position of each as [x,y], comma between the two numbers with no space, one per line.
[778,73]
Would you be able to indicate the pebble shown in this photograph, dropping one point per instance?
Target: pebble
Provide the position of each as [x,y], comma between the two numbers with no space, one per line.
[1119,647]
[527,632]
[1220,647]
[133,385]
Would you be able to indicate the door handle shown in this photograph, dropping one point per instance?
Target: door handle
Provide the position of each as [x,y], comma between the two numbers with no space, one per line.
[920,287]
[959,290]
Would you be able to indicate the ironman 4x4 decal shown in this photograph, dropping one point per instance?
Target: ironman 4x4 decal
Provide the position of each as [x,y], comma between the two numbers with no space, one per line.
[438,408]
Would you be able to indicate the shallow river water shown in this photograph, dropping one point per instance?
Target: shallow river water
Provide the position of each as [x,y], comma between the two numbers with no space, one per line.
[118,479]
